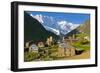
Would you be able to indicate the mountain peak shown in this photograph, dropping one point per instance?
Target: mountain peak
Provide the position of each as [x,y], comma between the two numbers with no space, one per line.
[53,25]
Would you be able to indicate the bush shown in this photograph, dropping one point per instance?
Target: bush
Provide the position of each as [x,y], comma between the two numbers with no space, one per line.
[43,53]
[54,55]
[30,56]
[84,42]
[47,58]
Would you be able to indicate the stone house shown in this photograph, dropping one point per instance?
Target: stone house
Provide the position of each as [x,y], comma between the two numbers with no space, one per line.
[49,40]
[33,48]
[40,44]
[65,50]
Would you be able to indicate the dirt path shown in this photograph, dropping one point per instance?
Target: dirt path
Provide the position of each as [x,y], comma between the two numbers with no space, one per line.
[84,55]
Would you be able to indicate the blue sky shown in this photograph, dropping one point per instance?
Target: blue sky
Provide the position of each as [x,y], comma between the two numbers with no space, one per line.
[76,18]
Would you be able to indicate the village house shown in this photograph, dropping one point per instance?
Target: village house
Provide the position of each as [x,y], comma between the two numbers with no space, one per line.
[33,48]
[65,50]
[49,40]
[61,49]
[27,45]
[40,44]
[86,38]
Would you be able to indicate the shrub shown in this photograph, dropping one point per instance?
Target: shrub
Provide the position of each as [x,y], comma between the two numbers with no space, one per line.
[30,56]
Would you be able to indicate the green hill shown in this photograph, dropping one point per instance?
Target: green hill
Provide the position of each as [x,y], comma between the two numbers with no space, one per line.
[85,28]
[82,33]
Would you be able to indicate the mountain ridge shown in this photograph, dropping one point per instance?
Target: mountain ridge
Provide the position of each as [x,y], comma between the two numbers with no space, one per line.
[63,26]
[84,28]
[33,30]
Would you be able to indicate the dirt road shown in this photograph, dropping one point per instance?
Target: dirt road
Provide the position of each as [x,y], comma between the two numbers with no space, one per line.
[84,55]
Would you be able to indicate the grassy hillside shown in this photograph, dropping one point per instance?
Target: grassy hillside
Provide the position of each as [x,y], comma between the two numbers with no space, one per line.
[82,33]
[85,28]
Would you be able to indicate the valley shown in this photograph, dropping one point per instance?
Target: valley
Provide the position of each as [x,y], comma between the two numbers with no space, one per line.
[47,44]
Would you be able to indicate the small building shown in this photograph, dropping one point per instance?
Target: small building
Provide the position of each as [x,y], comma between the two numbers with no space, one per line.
[49,40]
[86,38]
[65,49]
[62,45]
[40,44]
[27,44]
[33,48]
[62,49]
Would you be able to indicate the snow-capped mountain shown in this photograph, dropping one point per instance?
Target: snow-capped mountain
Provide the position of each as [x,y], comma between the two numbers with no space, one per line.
[57,27]
[55,31]
[65,27]
[44,20]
